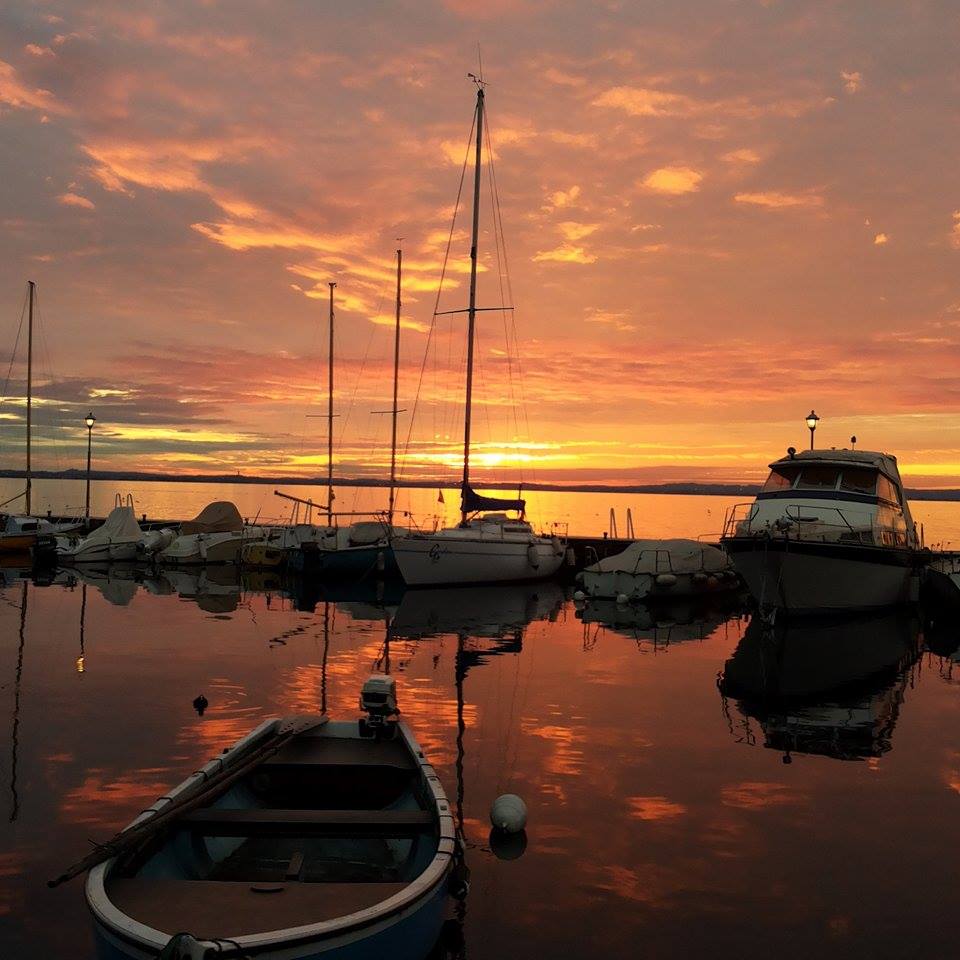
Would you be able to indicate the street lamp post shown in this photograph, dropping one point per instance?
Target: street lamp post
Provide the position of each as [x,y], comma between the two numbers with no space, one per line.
[812,421]
[89,421]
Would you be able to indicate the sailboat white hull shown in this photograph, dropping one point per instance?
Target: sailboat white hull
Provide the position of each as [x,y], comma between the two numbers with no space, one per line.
[445,558]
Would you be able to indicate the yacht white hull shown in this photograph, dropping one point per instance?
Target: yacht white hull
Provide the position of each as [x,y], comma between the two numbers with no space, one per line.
[439,559]
[805,577]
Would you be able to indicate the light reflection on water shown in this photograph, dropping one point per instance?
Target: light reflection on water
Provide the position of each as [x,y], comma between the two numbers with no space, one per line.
[649,749]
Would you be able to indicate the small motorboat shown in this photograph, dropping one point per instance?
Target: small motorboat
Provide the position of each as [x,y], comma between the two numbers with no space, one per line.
[216,535]
[117,538]
[651,569]
[21,534]
[305,838]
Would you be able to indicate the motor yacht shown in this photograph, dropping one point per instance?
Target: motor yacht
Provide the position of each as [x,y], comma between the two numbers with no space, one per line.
[829,530]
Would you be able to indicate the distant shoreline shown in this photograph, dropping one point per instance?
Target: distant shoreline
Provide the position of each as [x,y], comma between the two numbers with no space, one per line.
[679,489]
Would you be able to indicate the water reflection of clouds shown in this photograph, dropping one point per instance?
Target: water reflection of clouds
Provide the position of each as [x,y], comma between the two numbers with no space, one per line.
[758,795]
[654,808]
[105,802]
[12,867]
[566,759]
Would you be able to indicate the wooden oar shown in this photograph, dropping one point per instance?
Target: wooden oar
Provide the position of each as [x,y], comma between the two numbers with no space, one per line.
[286,731]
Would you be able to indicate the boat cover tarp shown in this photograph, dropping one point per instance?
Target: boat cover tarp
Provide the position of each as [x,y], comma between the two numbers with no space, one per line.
[366,533]
[221,516]
[473,502]
[665,556]
[120,527]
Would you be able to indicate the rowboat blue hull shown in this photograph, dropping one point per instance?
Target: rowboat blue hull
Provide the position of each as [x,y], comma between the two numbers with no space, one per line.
[410,937]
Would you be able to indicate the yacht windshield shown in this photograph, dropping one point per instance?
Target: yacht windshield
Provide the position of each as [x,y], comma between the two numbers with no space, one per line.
[818,477]
[859,480]
[781,478]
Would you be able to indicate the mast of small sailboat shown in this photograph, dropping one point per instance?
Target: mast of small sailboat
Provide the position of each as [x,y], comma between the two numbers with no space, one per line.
[31,288]
[472,310]
[394,411]
[330,415]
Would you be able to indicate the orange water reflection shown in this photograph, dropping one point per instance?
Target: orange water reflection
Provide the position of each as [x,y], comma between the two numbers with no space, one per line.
[660,808]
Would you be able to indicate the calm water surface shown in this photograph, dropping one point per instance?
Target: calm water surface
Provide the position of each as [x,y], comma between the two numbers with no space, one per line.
[664,820]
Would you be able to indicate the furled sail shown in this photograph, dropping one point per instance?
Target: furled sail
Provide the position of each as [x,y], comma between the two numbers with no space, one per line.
[473,502]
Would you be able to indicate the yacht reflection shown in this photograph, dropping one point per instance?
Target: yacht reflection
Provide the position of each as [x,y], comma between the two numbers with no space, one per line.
[830,687]
[654,628]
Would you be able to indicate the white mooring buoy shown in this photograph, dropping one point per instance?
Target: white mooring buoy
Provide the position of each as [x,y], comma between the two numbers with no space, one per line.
[508,813]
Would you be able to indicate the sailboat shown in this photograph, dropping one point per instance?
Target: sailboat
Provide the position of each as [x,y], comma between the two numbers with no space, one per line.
[363,548]
[23,533]
[484,547]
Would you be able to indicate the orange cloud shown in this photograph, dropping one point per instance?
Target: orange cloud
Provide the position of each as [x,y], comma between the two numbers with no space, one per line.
[560,199]
[565,253]
[673,181]
[576,231]
[164,164]
[642,102]
[385,320]
[775,200]
[852,80]
[75,200]
[880,239]
[742,156]
[14,92]
[955,230]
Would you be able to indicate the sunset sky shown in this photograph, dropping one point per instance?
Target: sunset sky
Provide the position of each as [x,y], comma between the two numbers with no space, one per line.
[717,215]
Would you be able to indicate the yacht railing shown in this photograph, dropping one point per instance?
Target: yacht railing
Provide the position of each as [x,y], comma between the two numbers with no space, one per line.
[802,521]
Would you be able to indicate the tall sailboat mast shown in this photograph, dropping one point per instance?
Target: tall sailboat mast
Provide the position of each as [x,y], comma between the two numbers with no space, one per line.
[31,287]
[330,416]
[472,310]
[395,411]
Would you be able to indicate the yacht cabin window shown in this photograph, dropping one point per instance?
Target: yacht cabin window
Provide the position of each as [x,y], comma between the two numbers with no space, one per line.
[781,478]
[818,477]
[887,490]
[859,480]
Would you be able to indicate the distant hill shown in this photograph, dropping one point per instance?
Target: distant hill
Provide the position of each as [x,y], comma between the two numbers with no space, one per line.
[688,489]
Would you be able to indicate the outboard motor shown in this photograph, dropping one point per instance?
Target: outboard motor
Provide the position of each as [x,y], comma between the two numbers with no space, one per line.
[378,698]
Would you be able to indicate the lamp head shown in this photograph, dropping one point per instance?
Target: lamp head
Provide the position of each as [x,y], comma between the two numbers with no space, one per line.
[90,420]
[812,420]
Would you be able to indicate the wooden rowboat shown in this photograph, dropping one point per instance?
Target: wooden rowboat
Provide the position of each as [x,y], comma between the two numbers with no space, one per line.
[340,840]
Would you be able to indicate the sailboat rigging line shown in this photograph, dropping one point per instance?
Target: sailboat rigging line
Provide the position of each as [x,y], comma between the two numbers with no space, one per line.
[498,242]
[356,388]
[56,424]
[517,352]
[443,273]
[13,354]
[315,386]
